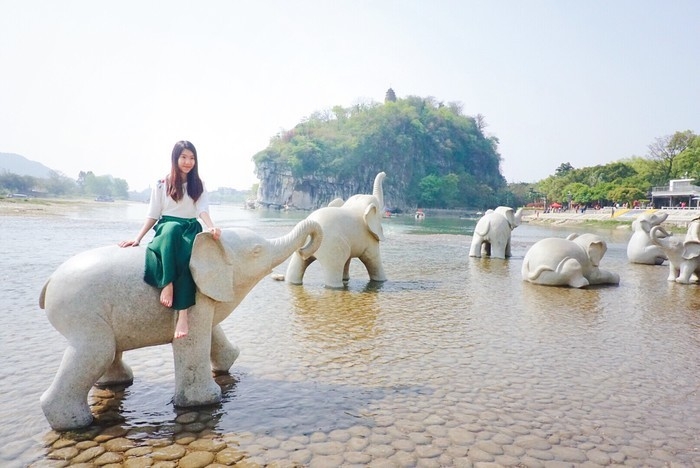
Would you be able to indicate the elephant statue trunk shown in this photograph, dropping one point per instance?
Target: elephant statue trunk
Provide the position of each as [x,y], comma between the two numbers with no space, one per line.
[285,244]
[378,190]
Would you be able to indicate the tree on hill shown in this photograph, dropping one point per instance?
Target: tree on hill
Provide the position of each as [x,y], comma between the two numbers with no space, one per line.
[437,157]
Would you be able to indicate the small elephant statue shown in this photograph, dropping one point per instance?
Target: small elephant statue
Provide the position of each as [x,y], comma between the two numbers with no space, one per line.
[573,262]
[492,232]
[100,303]
[683,254]
[350,230]
[640,248]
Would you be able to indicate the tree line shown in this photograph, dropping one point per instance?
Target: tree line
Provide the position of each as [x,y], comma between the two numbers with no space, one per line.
[628,181]
[86,185]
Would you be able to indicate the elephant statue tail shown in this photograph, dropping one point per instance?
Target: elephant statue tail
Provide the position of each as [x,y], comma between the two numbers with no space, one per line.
[305,238]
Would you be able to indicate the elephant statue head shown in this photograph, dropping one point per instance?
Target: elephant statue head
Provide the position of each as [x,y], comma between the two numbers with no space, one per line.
[683,254]
[640,248]
[646,221]
[513,217]
[225,270]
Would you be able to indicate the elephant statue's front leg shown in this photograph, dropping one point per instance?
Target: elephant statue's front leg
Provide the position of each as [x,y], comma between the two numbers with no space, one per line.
[194,383]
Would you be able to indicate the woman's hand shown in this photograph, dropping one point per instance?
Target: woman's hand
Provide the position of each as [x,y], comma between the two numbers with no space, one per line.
[215,232]
[129,243]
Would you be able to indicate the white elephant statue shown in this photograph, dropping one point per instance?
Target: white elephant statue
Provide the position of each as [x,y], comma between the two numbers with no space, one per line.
[640,248]
[573,262]
[683,254]
[350,230]
[492,232]
[99,302]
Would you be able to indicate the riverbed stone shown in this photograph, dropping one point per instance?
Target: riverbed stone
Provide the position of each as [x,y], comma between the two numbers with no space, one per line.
[198,459]
[168,453]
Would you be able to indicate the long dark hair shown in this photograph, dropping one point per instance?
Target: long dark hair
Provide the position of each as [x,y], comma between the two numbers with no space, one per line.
[195,187]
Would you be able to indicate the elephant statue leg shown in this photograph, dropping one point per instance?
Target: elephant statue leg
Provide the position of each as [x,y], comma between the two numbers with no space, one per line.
[119,373]
[65,402]
[373,263]
[223,352]
[296,268]
[346,271]
[194,383]
[477,248]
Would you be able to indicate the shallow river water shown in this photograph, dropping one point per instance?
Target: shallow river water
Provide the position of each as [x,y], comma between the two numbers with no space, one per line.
[454,361]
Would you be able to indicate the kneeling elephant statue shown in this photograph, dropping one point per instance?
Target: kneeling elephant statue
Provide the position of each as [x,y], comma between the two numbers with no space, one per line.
[100,303]
[640,248]
[573,261]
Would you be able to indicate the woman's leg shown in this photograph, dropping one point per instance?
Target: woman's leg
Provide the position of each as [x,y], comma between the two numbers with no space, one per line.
[181,328]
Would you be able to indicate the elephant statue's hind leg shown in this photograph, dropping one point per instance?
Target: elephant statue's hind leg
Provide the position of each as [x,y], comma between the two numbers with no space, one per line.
[117,374]
[223,352]
[65,402]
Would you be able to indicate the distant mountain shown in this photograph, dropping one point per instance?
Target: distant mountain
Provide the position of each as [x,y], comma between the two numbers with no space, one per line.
[16,164]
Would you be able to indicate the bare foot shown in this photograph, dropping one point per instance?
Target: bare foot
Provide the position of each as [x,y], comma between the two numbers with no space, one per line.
[166,295]
[181,328]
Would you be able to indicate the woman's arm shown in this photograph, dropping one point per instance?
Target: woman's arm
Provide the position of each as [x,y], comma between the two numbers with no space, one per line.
[215,231]
[150,222]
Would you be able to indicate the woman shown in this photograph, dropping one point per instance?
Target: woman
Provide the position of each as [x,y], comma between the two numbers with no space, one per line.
[176,202]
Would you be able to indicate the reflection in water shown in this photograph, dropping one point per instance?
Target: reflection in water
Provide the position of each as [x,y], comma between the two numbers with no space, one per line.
[454,360]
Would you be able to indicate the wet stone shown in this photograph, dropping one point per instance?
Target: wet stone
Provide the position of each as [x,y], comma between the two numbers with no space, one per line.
[357,443]
[88,454]
[460,436]
[428,451]
[489,447]
[540,454]
[108,458]
[207,445]
[326,461]
[66,453]
[61,443]
[568,454]
[138,451]
[196,460]
[532,442]
[357,458]
[118,444]
[187,418]
[598,456]
[479,455]
[138,462]
[171,452]
[229,456]
[85,444]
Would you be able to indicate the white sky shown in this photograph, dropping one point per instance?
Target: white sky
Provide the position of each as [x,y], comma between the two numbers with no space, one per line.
[111,86]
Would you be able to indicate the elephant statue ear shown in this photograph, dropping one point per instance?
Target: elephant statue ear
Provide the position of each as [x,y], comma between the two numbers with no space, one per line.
[596,250]
[336,202]
[373,221]
[572,236]
[691,250]
[211,268]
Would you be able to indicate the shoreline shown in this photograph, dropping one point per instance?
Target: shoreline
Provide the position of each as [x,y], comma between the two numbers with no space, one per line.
[679,218]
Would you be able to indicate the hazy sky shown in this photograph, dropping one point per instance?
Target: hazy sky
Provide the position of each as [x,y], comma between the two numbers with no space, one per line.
[111,86]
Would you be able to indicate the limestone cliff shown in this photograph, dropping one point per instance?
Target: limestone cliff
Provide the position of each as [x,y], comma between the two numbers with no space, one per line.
[279,188]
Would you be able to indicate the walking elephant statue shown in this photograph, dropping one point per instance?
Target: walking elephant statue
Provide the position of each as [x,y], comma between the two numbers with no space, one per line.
[99,302]
[350,230]
[683,254]
[640,248]
[492,232]
[573,262]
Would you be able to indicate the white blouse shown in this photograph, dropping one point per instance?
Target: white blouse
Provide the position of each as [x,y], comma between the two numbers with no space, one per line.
[163,205]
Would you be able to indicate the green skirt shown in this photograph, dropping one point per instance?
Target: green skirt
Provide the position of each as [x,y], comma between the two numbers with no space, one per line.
[168,258]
